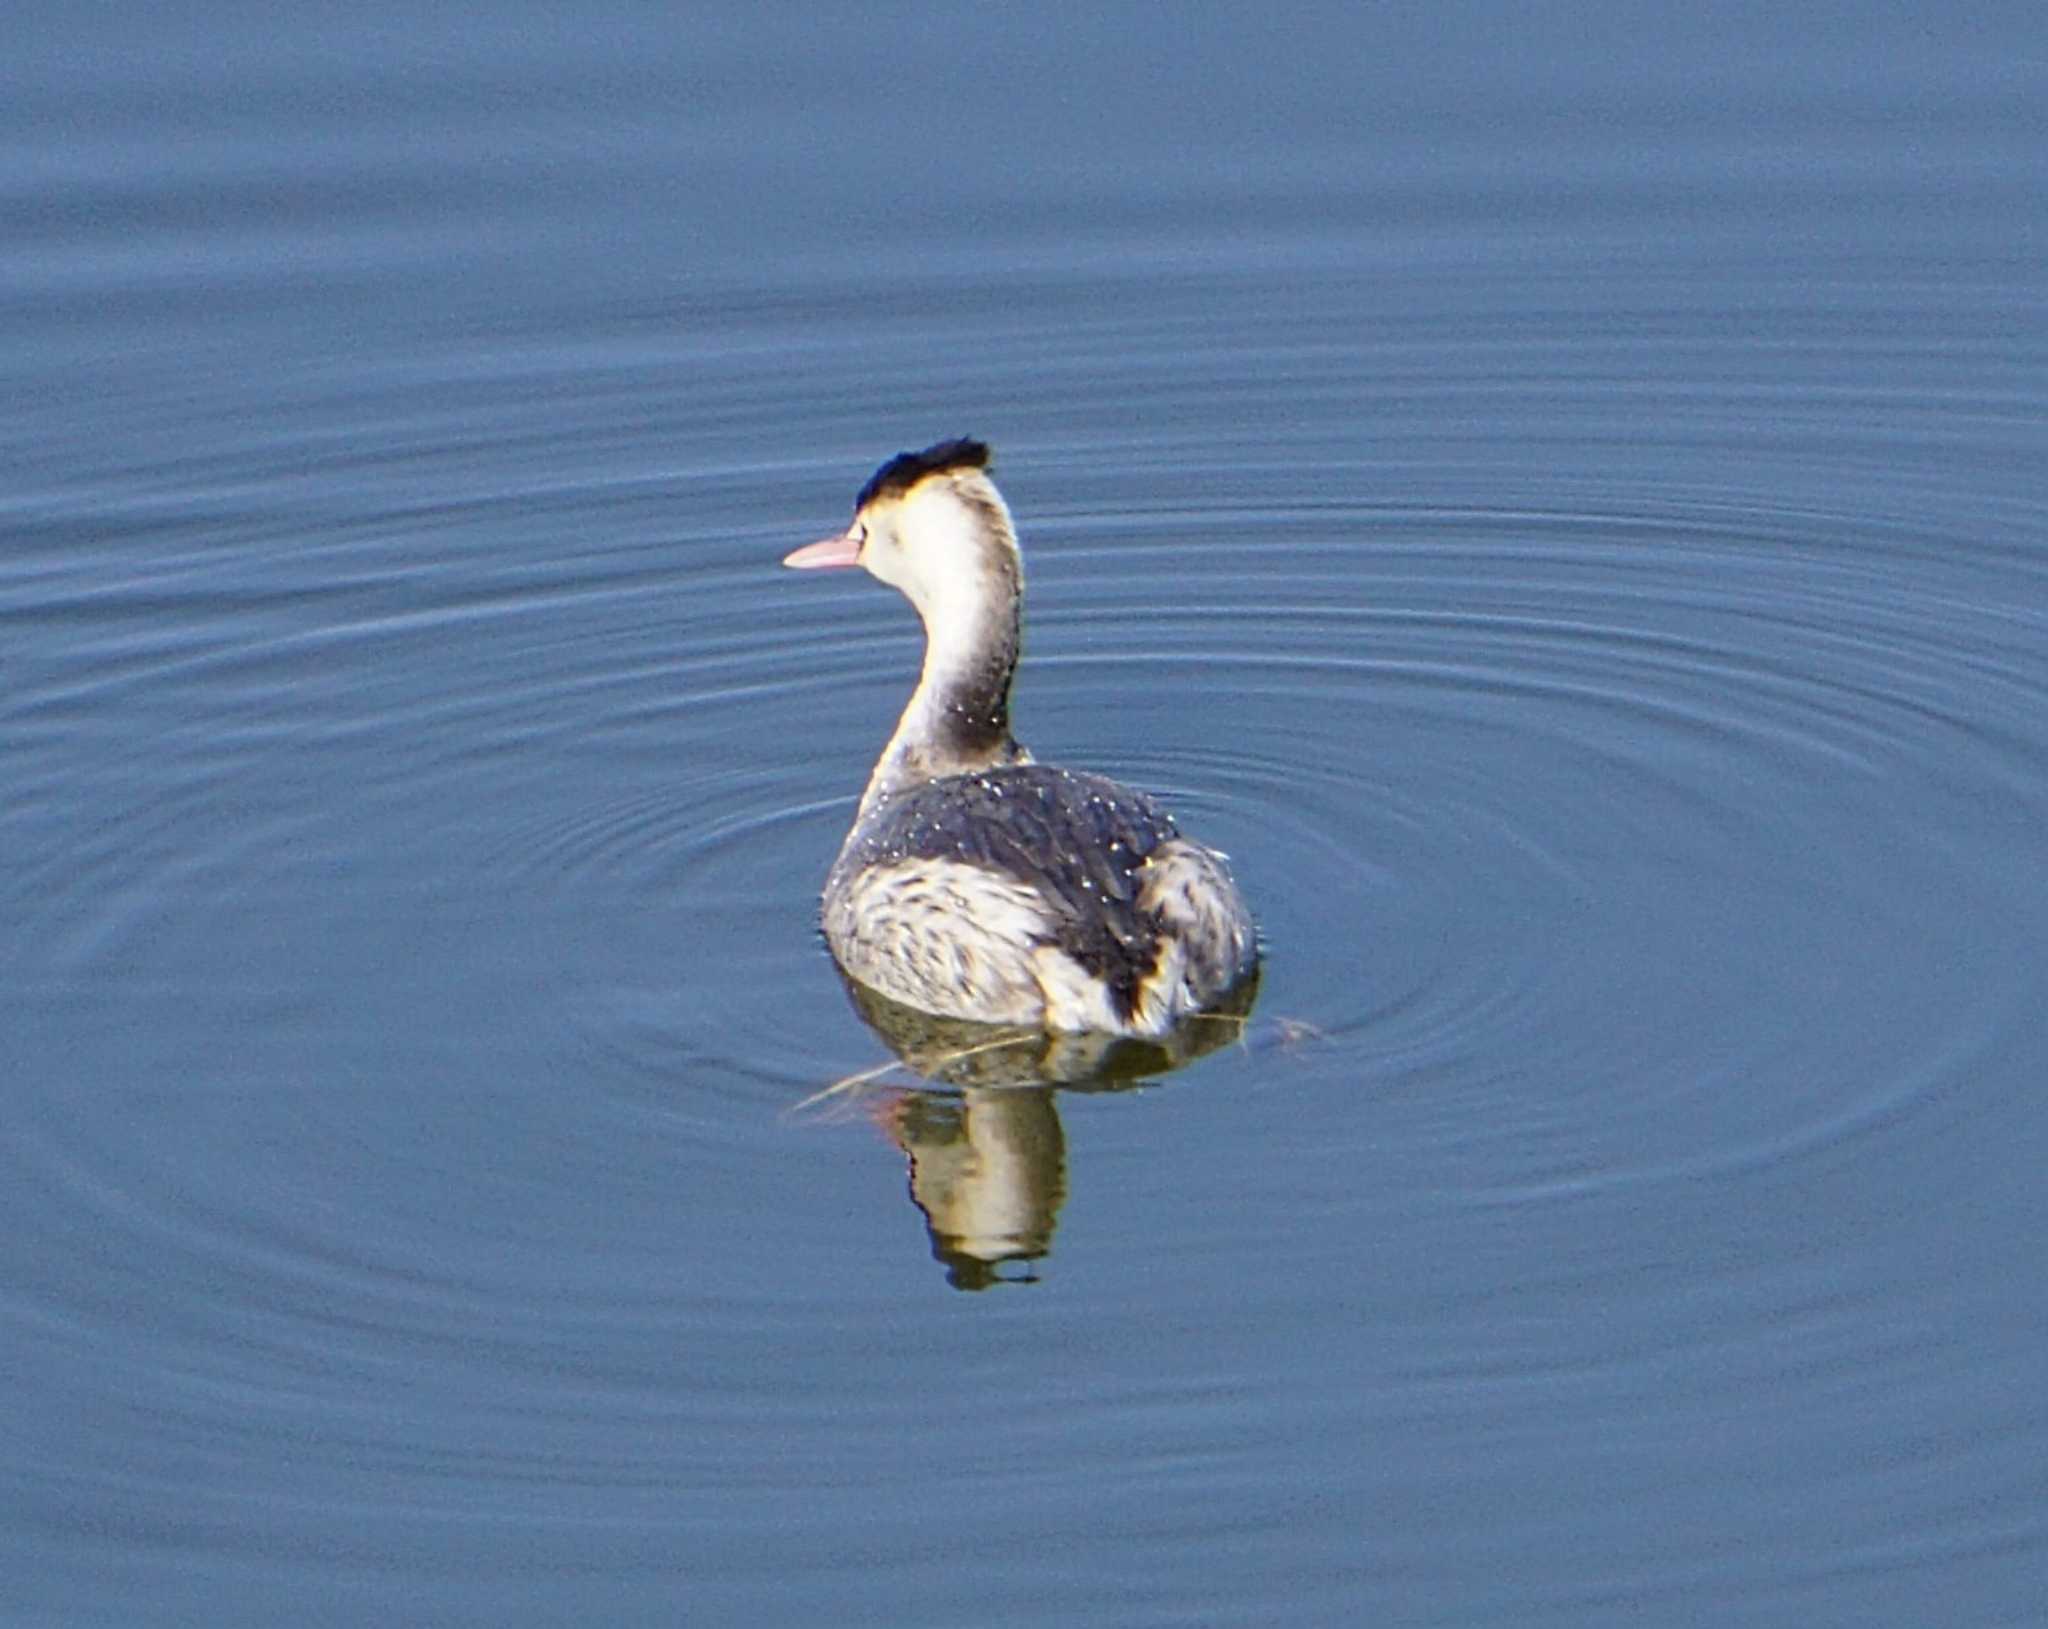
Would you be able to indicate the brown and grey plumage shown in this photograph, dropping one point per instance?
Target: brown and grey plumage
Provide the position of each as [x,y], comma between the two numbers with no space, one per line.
[976,883]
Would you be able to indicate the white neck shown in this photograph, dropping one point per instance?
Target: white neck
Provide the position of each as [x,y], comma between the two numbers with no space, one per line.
[958,718]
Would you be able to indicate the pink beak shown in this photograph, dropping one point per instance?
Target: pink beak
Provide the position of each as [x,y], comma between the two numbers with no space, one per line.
[843,550]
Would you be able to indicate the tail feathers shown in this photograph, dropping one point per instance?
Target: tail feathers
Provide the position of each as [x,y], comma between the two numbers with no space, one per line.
[1210,942]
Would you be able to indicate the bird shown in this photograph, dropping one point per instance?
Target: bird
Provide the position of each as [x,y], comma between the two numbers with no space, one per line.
[976,882]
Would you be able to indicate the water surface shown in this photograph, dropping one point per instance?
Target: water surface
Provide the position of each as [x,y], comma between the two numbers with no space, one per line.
[1565,513]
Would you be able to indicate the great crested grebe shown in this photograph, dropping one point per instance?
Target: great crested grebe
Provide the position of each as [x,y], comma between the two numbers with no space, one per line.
[976,883]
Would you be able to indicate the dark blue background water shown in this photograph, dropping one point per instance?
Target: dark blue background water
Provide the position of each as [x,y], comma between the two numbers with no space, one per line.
[1559,496]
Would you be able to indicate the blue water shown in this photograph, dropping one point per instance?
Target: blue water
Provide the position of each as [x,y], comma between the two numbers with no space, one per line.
[1562,499]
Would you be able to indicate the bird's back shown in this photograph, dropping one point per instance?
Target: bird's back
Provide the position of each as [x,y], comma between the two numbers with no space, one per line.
[1034,894]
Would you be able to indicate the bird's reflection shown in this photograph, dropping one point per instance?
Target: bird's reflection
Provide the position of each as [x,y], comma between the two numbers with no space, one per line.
[986,1150]
[988,1167]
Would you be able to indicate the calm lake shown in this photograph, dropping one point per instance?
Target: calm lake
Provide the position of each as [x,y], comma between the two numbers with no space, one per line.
[1560,496]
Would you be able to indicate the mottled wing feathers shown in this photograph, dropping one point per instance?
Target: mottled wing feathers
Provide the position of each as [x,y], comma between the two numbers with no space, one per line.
[1080,842]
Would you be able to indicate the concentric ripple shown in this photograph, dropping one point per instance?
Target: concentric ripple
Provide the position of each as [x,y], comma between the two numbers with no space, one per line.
[414,846]
[1585,832]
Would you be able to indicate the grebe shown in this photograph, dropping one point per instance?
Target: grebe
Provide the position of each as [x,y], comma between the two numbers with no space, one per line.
[976,883]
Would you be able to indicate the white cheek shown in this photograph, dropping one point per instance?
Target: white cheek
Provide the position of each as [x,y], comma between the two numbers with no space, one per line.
[883,560]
